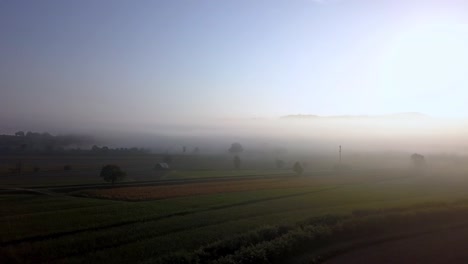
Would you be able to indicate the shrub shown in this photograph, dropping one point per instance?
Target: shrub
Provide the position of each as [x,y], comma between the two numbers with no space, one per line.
[112,173]
[298,168]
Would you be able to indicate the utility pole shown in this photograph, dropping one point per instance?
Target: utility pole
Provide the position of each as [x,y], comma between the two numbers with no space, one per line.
[340,154]
[19,167]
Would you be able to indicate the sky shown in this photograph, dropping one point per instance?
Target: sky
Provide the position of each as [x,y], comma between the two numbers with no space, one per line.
[79,63]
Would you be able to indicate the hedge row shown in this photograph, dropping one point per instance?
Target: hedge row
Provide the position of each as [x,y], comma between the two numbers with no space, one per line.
[275,244]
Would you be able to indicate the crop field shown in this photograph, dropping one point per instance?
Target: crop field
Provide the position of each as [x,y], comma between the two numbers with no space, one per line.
[157,223]
[143,193]
[85,169]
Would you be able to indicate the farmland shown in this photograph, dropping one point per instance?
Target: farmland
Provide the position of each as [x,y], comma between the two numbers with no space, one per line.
[144,193]
[153,221]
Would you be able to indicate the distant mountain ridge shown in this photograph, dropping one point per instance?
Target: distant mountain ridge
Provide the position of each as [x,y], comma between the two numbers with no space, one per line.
[396,115]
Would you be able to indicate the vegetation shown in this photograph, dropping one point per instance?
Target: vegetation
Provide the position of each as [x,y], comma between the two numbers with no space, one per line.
[277,244]
[418,160]
[29,143]
[209,216]
[145,193]
[39,143]
[237,162]
[298,168]
[236,148]
[112,173]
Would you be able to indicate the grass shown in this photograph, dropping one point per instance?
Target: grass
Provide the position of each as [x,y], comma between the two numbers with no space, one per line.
[76,229]
[143,193]
[85,169]
[193,174]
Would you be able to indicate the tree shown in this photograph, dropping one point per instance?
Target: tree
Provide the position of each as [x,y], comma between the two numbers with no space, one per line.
[418,160]
[19,134]
[236,148]
[298,168]
[196,150]
[95,148]
[112,173]
[237,162]
[32,134]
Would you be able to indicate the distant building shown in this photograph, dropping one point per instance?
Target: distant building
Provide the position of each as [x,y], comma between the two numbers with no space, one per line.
[162,166]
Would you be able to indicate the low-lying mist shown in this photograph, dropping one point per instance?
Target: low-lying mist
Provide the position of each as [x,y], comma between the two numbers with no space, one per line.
[300,134]
[367,141]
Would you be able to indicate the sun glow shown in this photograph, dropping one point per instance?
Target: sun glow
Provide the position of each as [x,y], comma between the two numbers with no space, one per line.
[423,67]
[430,58]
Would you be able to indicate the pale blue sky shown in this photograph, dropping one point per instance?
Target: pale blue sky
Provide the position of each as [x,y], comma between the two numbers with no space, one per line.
[150,61]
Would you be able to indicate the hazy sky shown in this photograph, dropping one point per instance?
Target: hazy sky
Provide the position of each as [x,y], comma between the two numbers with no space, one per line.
[144,62]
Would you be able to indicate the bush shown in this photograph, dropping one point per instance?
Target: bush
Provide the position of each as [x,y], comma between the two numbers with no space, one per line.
[112,173]
[229,246]
[298,168]
[277,244]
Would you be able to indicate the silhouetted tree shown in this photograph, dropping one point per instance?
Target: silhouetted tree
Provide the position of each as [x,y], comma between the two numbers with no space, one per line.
[418,160]
[236,148]
[298,168]
[237,162]
[32,134]
[196,150]
[32,142]
[95,148]
[67,167]
[112,173]
[105,150]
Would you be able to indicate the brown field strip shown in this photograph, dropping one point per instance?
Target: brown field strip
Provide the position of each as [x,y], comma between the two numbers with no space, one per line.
[143,193]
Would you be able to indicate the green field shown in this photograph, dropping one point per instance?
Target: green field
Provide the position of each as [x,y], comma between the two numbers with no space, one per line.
[59,227]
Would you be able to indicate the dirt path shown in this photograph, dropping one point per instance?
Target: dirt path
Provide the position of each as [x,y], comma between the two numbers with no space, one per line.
[28,191]
[51,190]
[447,246]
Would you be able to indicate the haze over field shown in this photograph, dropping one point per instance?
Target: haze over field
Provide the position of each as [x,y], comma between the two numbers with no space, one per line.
[217,71]
[233,131]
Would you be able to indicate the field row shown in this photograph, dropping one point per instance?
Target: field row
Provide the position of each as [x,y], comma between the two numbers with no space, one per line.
[93,230]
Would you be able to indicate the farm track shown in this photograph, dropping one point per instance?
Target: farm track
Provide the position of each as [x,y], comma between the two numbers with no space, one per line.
[336,256]
[50,190]
[71,188]
[57,190]
[27,191]
[182,213]
[162,234]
